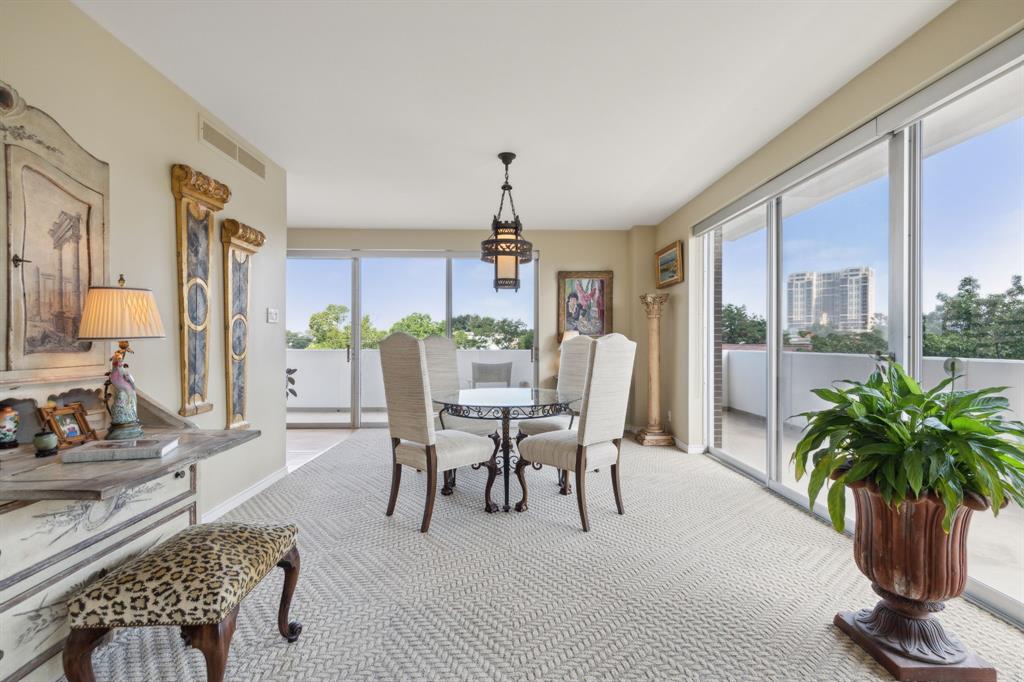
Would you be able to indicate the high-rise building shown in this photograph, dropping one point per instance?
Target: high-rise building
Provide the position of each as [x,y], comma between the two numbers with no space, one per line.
[843,300]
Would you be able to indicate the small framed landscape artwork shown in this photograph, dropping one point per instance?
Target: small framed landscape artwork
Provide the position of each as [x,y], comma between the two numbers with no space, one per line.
[668,265]
[585,302]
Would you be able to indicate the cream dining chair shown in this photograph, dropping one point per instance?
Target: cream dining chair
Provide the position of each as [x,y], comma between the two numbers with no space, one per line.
[414,442]
[573,362]
[443,371]
[602,421]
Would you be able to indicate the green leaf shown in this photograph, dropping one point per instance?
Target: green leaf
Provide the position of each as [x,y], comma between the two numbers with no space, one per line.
[830,395]
[913,465]
[908,381]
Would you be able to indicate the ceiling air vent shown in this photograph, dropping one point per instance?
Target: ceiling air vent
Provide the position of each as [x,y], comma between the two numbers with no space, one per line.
[218,140]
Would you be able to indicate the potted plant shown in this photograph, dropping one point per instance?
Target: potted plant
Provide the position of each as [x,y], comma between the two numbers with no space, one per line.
[918,463]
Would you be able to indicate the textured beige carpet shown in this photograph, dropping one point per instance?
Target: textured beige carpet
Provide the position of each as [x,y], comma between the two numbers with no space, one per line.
[707,577]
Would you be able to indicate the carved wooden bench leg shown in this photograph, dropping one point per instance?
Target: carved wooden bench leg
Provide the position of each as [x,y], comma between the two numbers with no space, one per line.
[213,640]
[78,653]
[290,564]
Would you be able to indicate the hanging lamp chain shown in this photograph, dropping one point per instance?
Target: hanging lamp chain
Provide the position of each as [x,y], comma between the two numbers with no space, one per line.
[507,189]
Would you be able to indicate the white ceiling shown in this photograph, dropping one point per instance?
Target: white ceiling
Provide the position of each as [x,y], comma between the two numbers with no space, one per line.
[391,114]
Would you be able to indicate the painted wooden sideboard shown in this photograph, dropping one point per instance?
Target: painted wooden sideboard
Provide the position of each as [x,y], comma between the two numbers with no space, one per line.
[64,525]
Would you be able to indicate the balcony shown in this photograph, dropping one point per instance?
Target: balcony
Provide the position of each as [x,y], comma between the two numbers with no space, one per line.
[324,382]
[996,544]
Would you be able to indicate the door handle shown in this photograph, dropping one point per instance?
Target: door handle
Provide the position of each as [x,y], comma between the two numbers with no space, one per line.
[18,260]
[348,354]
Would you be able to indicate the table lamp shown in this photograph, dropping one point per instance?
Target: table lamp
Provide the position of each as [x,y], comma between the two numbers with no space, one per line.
[118,314]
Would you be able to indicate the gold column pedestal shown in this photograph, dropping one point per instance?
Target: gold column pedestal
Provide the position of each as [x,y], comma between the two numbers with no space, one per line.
[653,433]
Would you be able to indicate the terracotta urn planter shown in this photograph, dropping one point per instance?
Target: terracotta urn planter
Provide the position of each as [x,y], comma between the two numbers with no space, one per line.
[914,566]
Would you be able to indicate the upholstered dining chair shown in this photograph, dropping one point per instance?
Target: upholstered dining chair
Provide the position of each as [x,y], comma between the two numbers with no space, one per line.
[602,421]
[492,373]
[414,442]
[443,371]
[574,359]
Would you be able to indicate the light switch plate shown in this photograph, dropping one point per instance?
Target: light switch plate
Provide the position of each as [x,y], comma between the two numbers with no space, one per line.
[272,315]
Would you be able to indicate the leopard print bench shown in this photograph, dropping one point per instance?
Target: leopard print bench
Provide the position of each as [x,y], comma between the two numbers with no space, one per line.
[196,580]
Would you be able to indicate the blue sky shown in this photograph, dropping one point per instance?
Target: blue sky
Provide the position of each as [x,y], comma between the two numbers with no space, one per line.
[394,287]
[973,224]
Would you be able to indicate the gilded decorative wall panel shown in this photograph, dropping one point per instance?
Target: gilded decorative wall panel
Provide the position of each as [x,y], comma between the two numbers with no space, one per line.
[241,243]
[197,198]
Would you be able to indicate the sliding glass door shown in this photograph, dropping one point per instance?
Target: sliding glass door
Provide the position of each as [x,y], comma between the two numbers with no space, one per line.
[397,294]
[972,294]
[834,287]
[494,330]
[910,247]
[739,343]
[337,374]
[318,326]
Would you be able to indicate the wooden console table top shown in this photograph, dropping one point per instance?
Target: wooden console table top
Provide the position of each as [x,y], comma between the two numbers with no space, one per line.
[25,477]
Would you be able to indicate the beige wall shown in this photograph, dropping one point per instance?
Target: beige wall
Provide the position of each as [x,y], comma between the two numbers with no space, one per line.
[125,113]
[960,33]
[559,250]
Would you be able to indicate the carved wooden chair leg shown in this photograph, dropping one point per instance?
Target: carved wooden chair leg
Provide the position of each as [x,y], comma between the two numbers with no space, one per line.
[492,473]
[616,489]
[78,653]
[428,508]
[290,563]
[581,497]
[214,640]
[521,465]
[581,486]
[564,482]
[449,483]
[396,478]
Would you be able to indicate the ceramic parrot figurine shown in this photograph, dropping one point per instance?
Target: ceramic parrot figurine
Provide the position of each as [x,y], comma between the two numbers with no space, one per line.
[124,413]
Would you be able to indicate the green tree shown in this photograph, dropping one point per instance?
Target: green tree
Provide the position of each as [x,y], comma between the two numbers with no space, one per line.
[971,325]
[825,340]
[419,325]
[739,326]
[297,339]
[326,327]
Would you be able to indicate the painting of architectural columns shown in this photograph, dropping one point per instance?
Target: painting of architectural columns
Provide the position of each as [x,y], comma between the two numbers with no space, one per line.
[55,217]
[197,198]
[241,243]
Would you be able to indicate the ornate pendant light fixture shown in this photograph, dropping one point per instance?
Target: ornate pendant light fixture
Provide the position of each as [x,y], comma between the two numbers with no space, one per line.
[506,247]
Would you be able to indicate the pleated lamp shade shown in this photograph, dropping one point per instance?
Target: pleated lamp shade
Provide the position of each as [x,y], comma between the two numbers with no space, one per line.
[120,313]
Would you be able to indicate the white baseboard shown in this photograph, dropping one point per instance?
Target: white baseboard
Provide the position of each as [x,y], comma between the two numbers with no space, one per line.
[235,500]
[690,449]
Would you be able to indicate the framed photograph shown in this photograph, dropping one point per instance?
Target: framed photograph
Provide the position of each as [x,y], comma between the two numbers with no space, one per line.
[68,423]
[585,302]
[668,265]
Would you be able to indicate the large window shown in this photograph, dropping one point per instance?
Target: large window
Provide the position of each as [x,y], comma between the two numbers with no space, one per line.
[911,246]
[740,259]
[972,233]
[338,379]
[492,327]
[835,283]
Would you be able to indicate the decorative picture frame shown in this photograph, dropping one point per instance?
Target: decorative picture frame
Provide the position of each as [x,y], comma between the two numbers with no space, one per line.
[669,267]
[584,302]
[197,197]
[54,213]
[241,243]
[68,423]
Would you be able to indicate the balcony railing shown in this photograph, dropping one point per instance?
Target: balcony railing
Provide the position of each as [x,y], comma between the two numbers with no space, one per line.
[324,377]
[744,376]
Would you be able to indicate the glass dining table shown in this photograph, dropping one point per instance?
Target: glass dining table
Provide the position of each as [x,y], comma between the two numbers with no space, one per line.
[505,404]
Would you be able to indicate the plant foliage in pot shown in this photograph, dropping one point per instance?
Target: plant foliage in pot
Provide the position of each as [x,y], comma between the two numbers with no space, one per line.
[918,464]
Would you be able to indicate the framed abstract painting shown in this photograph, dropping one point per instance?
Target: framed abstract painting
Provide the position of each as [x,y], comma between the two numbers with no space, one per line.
[585,302]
